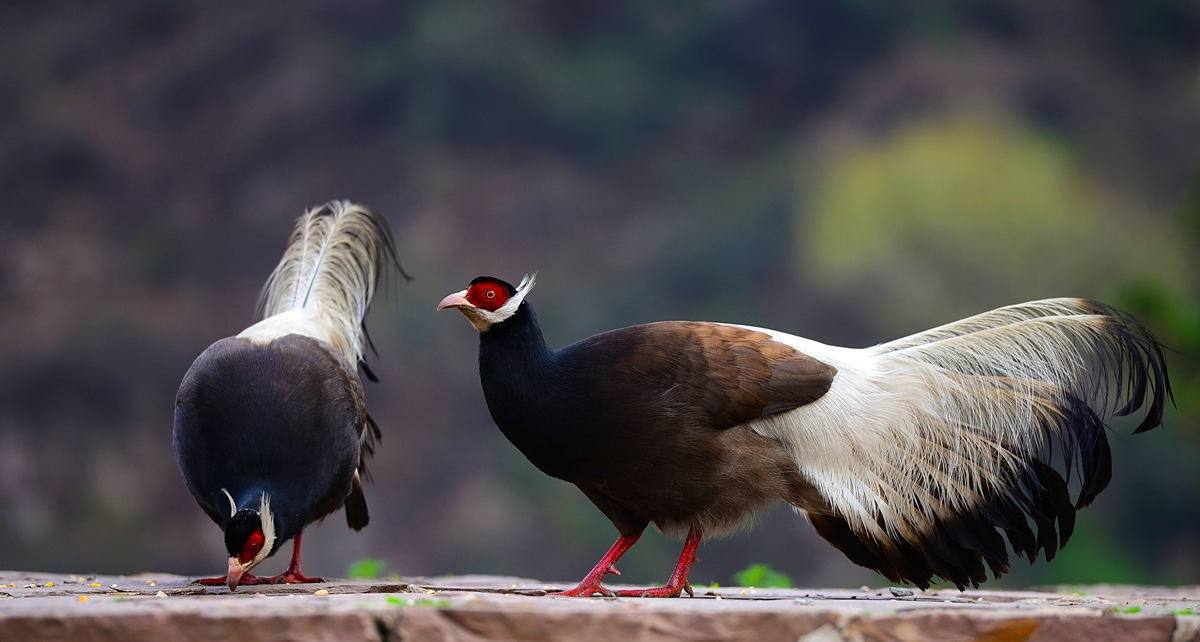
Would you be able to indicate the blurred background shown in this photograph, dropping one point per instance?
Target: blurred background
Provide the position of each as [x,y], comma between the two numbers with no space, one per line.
[848,171]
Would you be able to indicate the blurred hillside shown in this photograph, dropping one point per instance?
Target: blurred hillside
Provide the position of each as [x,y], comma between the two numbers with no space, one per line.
[849,171]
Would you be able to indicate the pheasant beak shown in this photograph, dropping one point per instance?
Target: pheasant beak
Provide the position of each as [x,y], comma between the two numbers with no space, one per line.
[456,300]
[235,573]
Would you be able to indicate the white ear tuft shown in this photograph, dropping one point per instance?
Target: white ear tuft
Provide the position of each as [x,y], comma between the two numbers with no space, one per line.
[510,306]
[265,516]
[268,530]
[232,504]
[527,282]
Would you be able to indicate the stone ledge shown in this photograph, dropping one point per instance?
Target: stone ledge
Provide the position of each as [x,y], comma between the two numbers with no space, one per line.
[37,606]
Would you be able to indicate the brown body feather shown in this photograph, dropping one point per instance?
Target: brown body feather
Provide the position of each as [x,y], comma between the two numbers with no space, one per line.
[649,421]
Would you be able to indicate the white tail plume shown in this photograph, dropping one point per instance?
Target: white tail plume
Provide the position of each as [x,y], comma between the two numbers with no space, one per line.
[324,284]
[924,446]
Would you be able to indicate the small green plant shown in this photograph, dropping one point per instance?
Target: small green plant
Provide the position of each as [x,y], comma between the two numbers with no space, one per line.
[762,576]
[1131,610]
[367,568]
[714,585]
[1187,611]
[439,603]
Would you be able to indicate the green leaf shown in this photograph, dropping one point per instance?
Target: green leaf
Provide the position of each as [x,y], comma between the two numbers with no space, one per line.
[762,576]
[367,568]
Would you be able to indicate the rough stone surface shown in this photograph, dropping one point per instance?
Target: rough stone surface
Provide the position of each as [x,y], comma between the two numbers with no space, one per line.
[42,606]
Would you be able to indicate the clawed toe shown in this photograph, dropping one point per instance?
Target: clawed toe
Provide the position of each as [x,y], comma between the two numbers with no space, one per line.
[585,590]
[294,578]
[658,591]
[246,580]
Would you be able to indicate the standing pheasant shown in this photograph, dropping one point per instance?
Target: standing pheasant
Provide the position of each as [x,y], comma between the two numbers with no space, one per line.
[915,458]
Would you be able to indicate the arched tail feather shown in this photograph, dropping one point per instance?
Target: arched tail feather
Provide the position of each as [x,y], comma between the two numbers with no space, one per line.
[927,448]
[324,283]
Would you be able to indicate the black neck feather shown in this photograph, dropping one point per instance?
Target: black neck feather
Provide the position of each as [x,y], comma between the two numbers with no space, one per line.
[519,337]
[523,392]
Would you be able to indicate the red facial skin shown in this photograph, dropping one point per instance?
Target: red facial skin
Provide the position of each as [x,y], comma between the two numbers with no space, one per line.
[487,295]
[253,545]
[250,549]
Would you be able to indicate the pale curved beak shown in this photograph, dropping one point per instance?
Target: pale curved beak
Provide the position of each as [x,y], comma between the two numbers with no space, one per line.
[456,300]
[234,574]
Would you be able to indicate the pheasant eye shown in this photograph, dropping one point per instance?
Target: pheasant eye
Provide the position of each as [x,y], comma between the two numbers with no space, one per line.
[491,294]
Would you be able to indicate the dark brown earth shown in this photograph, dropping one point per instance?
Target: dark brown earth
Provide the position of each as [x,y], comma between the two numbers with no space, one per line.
[43,606]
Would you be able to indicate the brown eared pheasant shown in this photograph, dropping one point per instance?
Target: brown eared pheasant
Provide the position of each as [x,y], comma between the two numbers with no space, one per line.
[271,425]
[917,458]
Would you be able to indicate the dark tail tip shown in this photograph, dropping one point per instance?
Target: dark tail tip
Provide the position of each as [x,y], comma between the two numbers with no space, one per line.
[357,515]
[1147,369]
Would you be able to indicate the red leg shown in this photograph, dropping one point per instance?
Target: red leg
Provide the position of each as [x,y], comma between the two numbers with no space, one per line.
[293,574]
[590,584]
[678,583]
